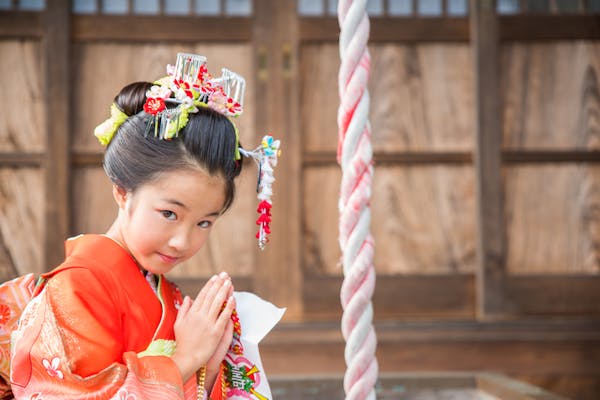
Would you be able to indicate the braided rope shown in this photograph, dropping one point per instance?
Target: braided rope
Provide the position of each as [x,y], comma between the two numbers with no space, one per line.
[355,157]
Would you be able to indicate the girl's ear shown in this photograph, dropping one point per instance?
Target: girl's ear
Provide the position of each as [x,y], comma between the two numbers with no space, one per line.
[120,196]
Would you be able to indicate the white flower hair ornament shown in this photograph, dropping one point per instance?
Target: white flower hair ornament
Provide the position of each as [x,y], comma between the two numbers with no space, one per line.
[188,86]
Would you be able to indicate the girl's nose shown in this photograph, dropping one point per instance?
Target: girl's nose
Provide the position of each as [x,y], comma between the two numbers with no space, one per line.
[180,241]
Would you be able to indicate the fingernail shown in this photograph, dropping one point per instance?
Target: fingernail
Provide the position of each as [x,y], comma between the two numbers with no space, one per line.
[213,278]
[223,275]
[227,283]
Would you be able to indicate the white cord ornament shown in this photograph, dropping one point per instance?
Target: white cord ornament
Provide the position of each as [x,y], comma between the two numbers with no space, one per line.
[265,156]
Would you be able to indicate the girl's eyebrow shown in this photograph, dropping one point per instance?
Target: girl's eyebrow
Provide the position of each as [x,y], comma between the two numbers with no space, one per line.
[180,204]
[176,202]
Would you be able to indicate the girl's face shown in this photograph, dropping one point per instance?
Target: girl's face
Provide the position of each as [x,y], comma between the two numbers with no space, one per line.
[165,222]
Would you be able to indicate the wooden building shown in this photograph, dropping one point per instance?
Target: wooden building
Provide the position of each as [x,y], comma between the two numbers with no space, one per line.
[486,197]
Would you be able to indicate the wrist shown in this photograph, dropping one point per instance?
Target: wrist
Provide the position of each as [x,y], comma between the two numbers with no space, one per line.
[185,367]
[211,377]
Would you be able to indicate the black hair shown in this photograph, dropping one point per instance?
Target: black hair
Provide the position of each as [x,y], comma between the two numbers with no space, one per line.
[135,156]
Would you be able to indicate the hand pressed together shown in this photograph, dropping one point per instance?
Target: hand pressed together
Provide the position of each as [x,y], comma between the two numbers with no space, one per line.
[203,329]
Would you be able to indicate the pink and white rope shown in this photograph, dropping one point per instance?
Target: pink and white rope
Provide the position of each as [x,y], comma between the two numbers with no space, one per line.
[355,157]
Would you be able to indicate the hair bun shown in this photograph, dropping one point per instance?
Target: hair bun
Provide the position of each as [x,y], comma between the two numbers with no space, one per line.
[132,97]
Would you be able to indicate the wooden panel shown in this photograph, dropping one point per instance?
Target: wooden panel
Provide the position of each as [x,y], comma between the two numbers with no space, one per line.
[551,95]
[101,70]
[423,220]
[553,219]
[396,297]
[94,208]
[7,265]
[421,97]
[22,119]
[21,210]
[231,246]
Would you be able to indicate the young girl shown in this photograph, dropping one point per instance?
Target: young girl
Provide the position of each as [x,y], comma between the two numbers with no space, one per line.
[106,324]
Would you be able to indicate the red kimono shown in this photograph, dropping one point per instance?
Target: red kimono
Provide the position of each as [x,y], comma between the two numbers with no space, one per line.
[97,330]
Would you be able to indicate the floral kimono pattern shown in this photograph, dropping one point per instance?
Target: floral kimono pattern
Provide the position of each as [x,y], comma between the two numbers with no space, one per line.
[97,330]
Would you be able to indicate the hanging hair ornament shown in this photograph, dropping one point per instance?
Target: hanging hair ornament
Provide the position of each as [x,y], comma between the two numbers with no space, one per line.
[265,156]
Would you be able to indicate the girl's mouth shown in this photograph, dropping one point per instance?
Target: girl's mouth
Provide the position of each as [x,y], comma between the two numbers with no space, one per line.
[168,259]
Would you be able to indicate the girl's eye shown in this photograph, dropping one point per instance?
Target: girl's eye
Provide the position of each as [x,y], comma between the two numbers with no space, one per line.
[170,215]
[205,224]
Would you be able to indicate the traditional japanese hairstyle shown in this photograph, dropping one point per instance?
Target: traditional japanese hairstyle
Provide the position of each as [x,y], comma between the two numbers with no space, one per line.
[181,120]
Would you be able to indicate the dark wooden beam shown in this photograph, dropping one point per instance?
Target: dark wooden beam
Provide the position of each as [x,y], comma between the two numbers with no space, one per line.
[491,246]
[537,27]
[413,386]
[566,295]
[21,25]
[329,158]
[87,159]
[21,160]
[397,297]
[521,347]
[278,274]
[410,331]
[550,156]
[312,159]
[57,163]
[390,29]
[130,28]
[456,29]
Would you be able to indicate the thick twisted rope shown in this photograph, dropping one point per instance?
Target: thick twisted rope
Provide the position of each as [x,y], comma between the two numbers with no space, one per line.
[355,157]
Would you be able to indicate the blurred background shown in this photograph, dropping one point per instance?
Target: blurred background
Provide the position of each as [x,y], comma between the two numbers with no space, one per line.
[486,198]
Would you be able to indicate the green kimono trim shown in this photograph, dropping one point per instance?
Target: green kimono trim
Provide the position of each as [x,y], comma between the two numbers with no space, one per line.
[159,347]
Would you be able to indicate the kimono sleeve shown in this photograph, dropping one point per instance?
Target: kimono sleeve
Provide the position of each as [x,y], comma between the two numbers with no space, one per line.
[69,346]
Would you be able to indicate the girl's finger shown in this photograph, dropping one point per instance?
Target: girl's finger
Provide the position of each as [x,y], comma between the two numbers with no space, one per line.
[225,315]
[184,308]
[202,293]
[208,288]
[219,299]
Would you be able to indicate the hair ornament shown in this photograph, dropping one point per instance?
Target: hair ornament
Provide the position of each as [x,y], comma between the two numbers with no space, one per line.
[106,130]
[189,85]
[265,156]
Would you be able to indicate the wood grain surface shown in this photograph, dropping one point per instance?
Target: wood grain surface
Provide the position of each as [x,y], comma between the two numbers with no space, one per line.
[22,110]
